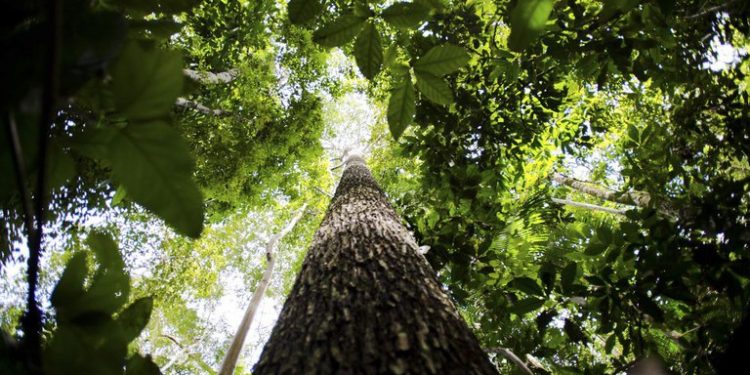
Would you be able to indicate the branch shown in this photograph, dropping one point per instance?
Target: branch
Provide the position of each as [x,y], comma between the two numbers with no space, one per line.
[710,10]
[19,168]
[640,199]
[511,357]
[212,78]
[588,206]
[230,361]
[187,103]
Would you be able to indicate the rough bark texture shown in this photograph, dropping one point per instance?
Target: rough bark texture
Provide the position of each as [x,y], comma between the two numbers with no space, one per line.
[365,301]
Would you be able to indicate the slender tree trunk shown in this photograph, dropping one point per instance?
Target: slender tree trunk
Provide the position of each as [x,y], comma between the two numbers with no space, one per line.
[365,301]
[230,361]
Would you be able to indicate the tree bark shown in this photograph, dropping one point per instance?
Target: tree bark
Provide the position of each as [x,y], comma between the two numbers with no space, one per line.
[365,301]
[230,361]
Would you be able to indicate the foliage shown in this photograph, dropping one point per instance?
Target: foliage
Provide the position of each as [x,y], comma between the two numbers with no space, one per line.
[484,101]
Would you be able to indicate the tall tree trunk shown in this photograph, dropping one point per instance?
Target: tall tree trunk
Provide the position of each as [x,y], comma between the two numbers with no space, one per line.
[365,301]
[230,361]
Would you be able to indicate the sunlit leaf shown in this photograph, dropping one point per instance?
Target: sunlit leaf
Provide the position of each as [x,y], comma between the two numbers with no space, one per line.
[442,60]
[340,31]
[302,11]
[406,15]
[434,88]
[368,51]
[401,107]
[527,22]
[154,164]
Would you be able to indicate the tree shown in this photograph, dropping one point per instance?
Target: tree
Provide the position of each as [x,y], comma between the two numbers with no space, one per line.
[365,300]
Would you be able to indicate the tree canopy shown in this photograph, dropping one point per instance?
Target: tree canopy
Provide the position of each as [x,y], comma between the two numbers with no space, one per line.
[577,171]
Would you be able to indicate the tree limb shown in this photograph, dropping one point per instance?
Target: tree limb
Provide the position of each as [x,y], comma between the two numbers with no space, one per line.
[212,78]
[588,206]
[230,361]
[187,103]
[511,357]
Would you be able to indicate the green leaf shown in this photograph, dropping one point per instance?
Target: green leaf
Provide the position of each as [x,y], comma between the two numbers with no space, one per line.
[401,107]
[442,60]
[368,51]
[527,22]
[135,317]
[146,81]
[527,285]
[70,287]
[302,11]
[60,167]
[140,365]
[574,332]
[340,31]
[524,306]
[648,306]
[604,234]
[105,249]
[406,15]
[155,166]
[595,248]
[434,88]
[568,275]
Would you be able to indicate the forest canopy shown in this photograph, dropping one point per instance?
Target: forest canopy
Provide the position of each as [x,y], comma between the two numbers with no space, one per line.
[576,173]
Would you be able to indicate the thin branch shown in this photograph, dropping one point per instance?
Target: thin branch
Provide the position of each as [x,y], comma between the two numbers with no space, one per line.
[212,78]
[319,190]
[511,357]
[187,103]
[710,10]
[589,206]
[19,168]
[230,361]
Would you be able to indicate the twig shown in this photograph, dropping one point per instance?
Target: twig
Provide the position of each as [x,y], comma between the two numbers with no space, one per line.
[710,10]
[512,357]
[319,190]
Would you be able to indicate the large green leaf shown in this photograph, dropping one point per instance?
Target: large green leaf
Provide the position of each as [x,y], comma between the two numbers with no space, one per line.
[140,365]
[340,31]
[146,81]
[434,88]
[401,106]
[527,21]
[442,60]
[302,11]
[134,318]
[406,15]
[368,51]
[70,287]
[527,285]
[154,164]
